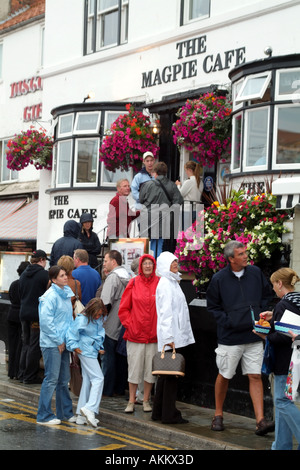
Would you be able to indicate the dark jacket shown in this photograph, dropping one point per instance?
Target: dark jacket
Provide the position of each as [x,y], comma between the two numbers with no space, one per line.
[14,297]
[281,342]
[92,245]
[33,283]
[158,196]
[66,245]
[229,299]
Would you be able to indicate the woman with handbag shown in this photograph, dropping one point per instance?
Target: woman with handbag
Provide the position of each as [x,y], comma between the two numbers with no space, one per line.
[55,318]
[137,313]
[85,337]
[173,330]
[287,415]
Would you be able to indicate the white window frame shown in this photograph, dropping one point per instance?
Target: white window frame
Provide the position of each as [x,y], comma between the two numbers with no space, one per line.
[57,163]
[236,87]
[283,166]
[85,131]
[245,139]
[13,174]
[186,13]
[254,96]
[292,96]
[234,123]
[87,184]
[65,134]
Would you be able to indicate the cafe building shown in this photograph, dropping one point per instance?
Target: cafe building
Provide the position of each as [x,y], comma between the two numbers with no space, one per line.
[80,75]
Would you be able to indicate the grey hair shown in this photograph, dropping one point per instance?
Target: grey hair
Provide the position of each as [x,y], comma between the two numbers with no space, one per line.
[230,247]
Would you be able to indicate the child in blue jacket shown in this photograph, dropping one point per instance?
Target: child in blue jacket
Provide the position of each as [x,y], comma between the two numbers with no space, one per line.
[85,337]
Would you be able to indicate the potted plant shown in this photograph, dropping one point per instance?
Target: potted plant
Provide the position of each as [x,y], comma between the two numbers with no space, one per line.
[30,147]
[204,128]
[126,141]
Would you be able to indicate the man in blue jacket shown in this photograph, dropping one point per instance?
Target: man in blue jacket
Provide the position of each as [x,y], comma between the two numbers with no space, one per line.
[232,293]
[88,277]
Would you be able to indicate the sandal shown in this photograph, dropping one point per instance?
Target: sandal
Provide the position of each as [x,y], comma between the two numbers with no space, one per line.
[217,423]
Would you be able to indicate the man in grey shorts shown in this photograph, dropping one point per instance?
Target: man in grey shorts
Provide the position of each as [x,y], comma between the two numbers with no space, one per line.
[231,295]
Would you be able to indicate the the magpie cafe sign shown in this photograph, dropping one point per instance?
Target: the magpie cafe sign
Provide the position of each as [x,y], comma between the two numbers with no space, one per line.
[189,65]
[24,87]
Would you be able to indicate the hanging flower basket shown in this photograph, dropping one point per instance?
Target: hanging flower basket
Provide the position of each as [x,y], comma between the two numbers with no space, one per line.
[30,147]
[204,128]
[126,141]
[253,221]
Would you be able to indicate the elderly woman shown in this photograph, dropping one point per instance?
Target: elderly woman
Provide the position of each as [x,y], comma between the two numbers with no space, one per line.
[287,415]
[173,330]
[55,316]
[137,314]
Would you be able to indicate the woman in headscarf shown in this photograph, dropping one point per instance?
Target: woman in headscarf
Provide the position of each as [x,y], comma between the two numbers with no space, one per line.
[173,330]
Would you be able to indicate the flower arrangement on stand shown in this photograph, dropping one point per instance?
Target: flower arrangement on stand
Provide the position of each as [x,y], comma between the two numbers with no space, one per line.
[204,128]
[128,138]
[252,220]
[30,147]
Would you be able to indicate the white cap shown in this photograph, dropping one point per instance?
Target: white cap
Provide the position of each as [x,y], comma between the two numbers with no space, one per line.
[148,154]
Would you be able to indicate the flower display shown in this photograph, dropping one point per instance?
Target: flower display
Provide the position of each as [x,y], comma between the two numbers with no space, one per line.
[126,141]
[252,220]
[204,128]
[30,147]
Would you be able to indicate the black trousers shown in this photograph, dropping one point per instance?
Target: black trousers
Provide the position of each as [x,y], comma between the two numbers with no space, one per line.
[31,353]
[14,348]
[164,403]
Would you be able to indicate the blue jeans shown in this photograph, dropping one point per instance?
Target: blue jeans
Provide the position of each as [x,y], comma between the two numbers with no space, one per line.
[156,246]
[287,417]
[57,377]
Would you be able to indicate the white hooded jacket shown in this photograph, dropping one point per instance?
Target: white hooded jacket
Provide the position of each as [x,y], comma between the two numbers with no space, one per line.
[173,318]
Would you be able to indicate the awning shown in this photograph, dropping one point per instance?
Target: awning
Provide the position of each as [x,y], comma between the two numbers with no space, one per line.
[287,191]
[9,206]
[21,225]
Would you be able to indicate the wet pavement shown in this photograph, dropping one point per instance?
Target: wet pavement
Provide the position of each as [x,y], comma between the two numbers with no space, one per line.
[195,435]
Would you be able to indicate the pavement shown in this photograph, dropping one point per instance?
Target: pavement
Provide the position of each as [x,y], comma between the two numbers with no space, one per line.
[195,435]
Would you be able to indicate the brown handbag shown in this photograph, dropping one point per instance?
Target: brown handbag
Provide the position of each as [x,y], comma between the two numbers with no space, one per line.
[168,363]
[76,377]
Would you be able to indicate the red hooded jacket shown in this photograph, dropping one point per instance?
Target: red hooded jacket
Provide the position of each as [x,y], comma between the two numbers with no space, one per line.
[137,310]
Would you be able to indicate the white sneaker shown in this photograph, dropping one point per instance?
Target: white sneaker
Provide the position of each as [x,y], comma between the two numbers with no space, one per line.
[81,419]
[146,406]
[72,419]
[129,408]
[90,416]
[51,422]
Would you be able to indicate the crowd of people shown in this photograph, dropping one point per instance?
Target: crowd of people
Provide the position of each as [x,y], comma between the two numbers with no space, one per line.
[128,317]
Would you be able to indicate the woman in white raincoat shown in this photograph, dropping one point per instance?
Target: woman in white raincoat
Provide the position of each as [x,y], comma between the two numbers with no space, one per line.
[173,329]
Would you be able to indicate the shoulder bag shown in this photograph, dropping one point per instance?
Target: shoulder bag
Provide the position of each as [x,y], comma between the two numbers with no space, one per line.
[78,307]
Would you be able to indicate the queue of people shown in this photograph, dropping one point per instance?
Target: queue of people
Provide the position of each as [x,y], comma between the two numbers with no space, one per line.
[126,320]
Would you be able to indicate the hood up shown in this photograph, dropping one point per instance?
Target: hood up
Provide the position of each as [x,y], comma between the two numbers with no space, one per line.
[163,266]
[71,229]
[151,258]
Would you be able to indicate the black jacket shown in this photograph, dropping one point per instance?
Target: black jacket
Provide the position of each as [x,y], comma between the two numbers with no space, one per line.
[14,297]
[33,283]
[230,299]
[92,245]
[281,342]
[67,244]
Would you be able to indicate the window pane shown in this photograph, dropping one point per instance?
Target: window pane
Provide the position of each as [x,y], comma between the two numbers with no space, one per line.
[87,160]
[288,135]
[237,141]
[198,8]
[257,137]
[109,29]
[254,87]
[111,177]
[65,124]
[64,162]
[289,82]
[87,122]
[104,4]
